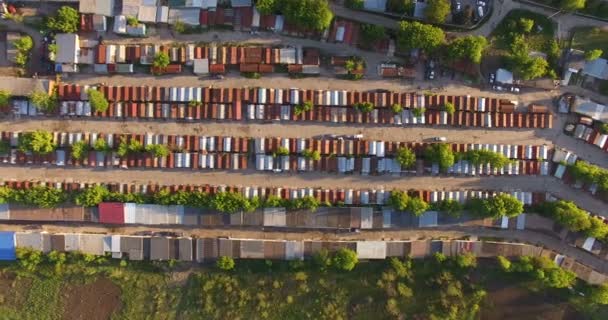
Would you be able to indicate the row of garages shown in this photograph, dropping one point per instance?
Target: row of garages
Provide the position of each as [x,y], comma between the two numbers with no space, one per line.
[591,136]
[162,248]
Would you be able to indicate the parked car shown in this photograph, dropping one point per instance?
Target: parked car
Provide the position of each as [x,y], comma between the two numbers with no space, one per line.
[492,77]
[515,89]
[440,139]
[458,6]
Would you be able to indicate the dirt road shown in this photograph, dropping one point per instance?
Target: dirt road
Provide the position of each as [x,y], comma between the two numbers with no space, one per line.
[309,179]
[450,232]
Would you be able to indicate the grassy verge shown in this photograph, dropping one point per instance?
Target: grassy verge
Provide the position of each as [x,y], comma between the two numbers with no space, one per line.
[589,38]
[43,299]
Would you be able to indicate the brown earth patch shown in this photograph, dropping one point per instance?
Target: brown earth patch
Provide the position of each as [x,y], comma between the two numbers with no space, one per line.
[94,301]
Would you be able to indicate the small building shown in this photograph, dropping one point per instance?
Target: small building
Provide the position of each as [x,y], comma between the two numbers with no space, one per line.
[7,246]
[575,62]
[201,66]
[590,109]
[68,51]
[597,69]
[101,7]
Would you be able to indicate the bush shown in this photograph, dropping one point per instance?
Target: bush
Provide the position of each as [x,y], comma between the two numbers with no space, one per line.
[132,21]
[5,98]
[231,202]
[589,173]
[567,214]
[180,27]
[504,263]
[66,20]
[225,263]
[98,101]
[281,151]
[450,207]
[303,107]
[126,148]
[92,196]
[43,101]
[406,157]
[310,154]
[593,54]
[371,34]
[322,259]
[364,107]
[495,159]
[396,108]
[37,142]
[43,197]
[80,150]
[418,112]
[101,145]
[251,75]
[309,14]
[441,154]
[416,35]
[267,6]
[437,11]
[158,150]
[449,107]
[401,201]
[161,60]
[345,259]
[466,260]
[498,206]
[417,206]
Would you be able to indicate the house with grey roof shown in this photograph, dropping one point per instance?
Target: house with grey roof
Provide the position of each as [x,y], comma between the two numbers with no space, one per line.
[68,51]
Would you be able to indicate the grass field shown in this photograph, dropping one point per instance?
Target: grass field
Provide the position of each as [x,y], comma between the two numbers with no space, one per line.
[589,38]
[101,289]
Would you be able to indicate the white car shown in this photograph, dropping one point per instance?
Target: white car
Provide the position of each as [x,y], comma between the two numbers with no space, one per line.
[515,89]
[458,6]
[440,139]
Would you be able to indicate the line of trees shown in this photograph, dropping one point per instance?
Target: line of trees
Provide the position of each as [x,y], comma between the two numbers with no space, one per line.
[567,214]
[589,173]
[309,14]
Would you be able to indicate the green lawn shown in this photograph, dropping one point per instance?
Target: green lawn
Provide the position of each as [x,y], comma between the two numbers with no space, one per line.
[589,38]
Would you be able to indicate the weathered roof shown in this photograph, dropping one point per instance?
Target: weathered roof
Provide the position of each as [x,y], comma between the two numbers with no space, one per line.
[597,68]
[591,109]
[188,16]
[67,46]
[31,240]
[147,14]
[201,66]
[103,7]
[371,249]
[159,248]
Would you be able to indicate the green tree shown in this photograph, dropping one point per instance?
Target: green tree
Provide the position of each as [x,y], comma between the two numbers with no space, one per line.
[44,197]
[364,107]
[522,64]
[131,147]
[310,154]
[597,229]
[266,6]
[354,4]
[498,206]
[5,98]
[66,20]
[599,294]
[396,108]
[28,259]
[449,107]
[466,260]
[400,6]
[303,107]
[80,150]
[24,44]
[416,35]
[406,157]
[322,259]
[371,33]
[468,47]
[101,145]
[43,101]
[180,27]
[37,142]
[158,150]
[450,207]
[345,259]
[225,263]
[91,196]
[437,10]
[98,101]
[526,25]
[417,206]
[161,60]
[572,5]
[568,214]
[310,14]
[418,112]
[593,54]
[230,202]
[132,21]
[282,151]
[398,200]
[440,153]
[479,157]
[557,277]
[504,263]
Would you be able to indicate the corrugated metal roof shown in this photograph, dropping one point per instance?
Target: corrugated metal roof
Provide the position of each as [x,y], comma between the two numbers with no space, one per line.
[111,212]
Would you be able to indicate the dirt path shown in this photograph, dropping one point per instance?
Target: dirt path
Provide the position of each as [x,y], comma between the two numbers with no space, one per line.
[309,179]
[450,232]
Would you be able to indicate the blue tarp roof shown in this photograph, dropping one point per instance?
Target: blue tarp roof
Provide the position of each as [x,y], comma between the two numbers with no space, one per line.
[7,245]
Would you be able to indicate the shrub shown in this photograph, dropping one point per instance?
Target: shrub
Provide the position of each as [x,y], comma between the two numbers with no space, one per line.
[322,259]
[101,145]
[158,150]
[5,98]
[66,20]
[43,101]
[396,108]
[450,207]
[398,200]
[417,206]
[449,107]
[132,21]
[496,207]
[92,196]
[364,107]
[354,4]
[418,112]
[495,159]
[345,259]
[370,34]
[504,263]
[80,150]
[161,60]
[131,147]
[43,197]
[98,101]
[37,142]
[225,263]
[282,151]
[310,154]
[406,157]
[440,153]
[303,107]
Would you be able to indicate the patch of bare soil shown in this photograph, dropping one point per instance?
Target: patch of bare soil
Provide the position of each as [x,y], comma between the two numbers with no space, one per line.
[94,301]
[519,303]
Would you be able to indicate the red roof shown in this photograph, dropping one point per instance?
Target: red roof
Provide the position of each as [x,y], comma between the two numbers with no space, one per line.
[203,17]
[111,212]
[217,68]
